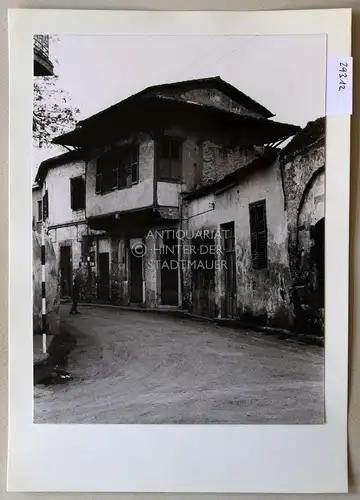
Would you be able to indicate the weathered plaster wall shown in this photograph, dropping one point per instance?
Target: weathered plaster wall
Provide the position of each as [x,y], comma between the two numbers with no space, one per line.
[70,235]
[210,97]
[219,160]
[311,211]
[36,196]
[297,173]
[73,235]
[304,188]
[262,295]
[137,196]
[57,183]
[191,161]
[207,156]
[152,273]
[168,193]
[308,284]
[118,247]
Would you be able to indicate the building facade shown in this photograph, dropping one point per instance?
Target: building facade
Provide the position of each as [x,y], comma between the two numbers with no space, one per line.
[248,275]
[185,202]
[59,204]
[42,64]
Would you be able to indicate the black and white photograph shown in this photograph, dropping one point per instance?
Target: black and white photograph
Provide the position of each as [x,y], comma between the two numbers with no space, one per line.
[178,229]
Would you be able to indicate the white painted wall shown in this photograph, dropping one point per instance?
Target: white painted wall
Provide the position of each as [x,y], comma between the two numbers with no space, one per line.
[137,196]
[168,193]
[57,183]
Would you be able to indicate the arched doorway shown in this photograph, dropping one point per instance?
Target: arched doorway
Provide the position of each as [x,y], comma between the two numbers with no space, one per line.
[318,234]
[310,269]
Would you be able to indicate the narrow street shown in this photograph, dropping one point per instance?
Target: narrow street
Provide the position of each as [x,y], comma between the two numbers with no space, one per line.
[136,367]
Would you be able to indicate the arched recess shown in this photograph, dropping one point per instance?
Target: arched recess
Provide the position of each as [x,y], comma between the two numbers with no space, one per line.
[311,241]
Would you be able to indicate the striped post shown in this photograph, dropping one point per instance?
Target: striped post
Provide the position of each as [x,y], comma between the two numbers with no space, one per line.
[43,289]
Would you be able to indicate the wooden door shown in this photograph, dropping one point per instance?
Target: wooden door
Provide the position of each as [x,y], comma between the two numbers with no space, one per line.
[169,271]
[104,276]
[66,271]
[228,232]
[136,272]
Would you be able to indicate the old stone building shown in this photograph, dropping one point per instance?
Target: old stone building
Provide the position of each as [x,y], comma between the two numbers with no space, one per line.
[59,203]
[250,276]
[142,156]
[180,196]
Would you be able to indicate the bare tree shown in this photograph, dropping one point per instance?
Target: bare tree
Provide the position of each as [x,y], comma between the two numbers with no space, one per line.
[53,113]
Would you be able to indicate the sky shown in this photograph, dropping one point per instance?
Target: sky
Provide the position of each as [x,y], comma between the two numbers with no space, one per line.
[286,74]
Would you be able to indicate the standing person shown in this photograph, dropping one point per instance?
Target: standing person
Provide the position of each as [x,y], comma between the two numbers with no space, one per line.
[75,295]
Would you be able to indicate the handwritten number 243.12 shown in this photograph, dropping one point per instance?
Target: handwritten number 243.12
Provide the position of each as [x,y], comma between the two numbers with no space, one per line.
[342,75]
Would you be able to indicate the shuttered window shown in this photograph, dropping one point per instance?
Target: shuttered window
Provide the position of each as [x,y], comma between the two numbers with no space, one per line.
[169,158]
[77,193]
[258,234]
[117,169]
[46,205]
[228,237]
[40,210]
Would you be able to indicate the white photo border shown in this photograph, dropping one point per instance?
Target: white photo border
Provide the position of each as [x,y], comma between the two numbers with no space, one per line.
[174,458]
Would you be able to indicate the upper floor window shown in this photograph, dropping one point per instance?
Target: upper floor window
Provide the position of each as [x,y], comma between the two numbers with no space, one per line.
[169,161]
[39,210]
[117,169]
[258,234]
[45,205]
[77,192]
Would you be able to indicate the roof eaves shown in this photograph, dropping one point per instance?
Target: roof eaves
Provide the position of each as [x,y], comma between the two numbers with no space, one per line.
[55,161]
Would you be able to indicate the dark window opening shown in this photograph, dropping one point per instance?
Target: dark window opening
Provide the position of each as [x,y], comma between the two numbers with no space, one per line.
[117,169]
[258,234]
[45,205]
[319,254]
[77,188]
[169,161]
[39,210]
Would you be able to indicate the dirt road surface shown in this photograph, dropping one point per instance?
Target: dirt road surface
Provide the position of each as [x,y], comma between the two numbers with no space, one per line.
[145,368]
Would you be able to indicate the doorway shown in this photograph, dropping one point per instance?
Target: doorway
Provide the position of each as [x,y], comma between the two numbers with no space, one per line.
[319,257]
[169,269]
[104,276]
[66,271]
[228,238]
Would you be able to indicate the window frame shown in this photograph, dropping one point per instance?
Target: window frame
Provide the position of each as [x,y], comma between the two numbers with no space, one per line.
[229,249]
[124,161]
[168,177]
[72,195]
[45,205]
[258,236]
[40,210]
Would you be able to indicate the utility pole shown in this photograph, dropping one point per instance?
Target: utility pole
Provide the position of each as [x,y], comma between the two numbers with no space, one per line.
[43,289]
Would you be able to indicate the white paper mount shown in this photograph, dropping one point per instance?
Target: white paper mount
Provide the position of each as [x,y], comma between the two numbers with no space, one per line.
[339,86]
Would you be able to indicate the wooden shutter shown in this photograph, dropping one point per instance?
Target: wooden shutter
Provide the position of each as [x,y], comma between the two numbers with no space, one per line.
[135,164]
[128,166]
[72,195]
[46,205]
[163,157]
[175,158]
[258,234]
[98,177]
